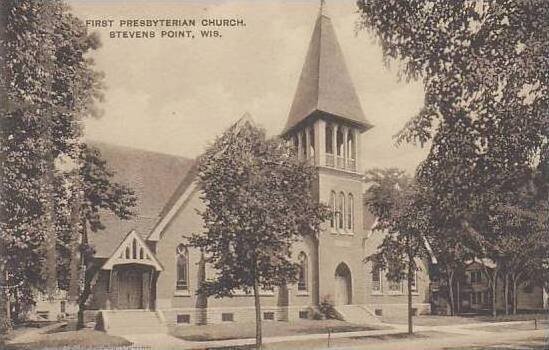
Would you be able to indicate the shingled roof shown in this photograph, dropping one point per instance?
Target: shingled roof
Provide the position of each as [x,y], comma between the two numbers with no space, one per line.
[153,176]
[325,85]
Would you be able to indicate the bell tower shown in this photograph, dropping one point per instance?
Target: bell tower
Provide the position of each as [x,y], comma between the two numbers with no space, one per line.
[326,119]
[326,123]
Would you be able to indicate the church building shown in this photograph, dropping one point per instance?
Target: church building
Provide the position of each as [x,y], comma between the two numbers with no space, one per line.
[146,270]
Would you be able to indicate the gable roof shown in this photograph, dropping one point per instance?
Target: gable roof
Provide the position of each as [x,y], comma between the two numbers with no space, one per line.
[132,250]
[153,176]
[189,185]
[325,84]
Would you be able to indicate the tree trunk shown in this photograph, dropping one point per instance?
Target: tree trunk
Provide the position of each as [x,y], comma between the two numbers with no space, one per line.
[410,277]
[451,293]
[49,245]
[75,258]
[494,293]
[410,315]
[515,298]
[5,319]
[506,292]
[88,276]
[458,297]
[258,336]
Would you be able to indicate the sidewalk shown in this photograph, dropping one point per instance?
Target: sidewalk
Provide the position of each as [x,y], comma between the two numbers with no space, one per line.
[459,335]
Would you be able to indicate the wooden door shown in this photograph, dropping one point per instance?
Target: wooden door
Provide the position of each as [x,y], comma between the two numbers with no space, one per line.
[131,290]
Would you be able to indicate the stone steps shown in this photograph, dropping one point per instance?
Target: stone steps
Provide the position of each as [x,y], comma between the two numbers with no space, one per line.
[120,322]
[356,314]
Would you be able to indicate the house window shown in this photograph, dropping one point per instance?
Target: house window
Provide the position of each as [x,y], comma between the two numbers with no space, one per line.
[329,139]
[182,267]
[183,318]
[341,211]
[476,298]
[227,317]
[303,267]
[304,314]
[476,276]
[269,316]
[63,306]
[376,279]
[350,212]
[127,252]
[333,217]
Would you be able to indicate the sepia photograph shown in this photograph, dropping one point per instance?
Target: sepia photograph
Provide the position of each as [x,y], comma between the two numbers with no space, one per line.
[274,174]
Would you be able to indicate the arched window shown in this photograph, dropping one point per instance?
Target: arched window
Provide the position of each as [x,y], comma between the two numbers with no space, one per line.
[303,271]
[340,145]
[329,139]
[341,211]
[351,151]
[134,249]
[127,252]
[141,254]
[182,268]
[350,212]
[333,217]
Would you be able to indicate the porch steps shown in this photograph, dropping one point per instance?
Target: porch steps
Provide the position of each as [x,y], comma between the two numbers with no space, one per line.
[123,322]
[358,314]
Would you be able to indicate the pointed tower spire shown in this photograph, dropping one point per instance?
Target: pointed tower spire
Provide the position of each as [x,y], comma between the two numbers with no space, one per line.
[325,87]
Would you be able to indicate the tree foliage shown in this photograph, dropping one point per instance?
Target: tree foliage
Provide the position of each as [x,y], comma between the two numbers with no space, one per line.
[403,216]
[483,65]
[48,85]
[259,201]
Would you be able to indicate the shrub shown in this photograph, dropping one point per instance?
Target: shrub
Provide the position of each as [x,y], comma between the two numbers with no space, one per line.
[327,309]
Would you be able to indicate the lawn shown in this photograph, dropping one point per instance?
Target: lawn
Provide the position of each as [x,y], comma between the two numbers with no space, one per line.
[524,326]
[338,342]
[270,329]
[531,344]
[434,320]
[82,338]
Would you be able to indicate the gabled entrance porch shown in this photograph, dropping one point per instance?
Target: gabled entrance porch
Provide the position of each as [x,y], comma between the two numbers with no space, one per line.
[132,274]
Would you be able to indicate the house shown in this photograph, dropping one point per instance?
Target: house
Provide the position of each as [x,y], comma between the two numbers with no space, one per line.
[473,292]
[144,264]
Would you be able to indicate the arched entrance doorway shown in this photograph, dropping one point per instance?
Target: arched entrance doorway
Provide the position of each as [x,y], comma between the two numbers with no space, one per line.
[343,285]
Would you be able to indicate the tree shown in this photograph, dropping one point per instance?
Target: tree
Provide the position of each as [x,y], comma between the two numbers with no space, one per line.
[394,199]
[48,86]
[259,201]
[483,67]
[451,255]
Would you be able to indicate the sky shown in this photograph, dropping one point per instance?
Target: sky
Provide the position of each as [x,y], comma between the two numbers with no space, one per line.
[175,95]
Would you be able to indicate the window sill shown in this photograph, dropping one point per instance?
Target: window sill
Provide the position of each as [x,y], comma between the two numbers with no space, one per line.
[182,293]
[377,293]
[395,293]
[302,293]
